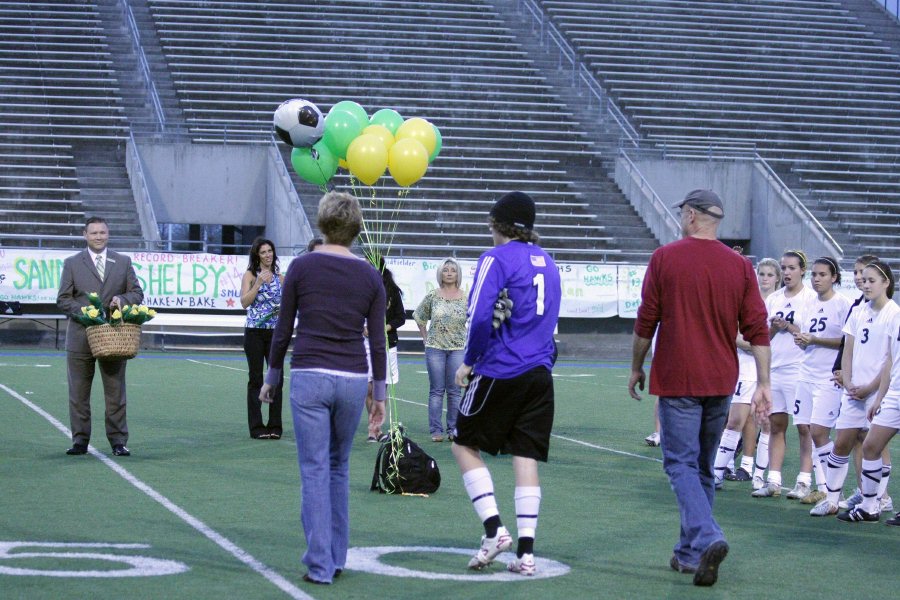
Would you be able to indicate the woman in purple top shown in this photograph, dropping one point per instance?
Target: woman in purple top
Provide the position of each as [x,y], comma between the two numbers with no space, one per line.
[331,293]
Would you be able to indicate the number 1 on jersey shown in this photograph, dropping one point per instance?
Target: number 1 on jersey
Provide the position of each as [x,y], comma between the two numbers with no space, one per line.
[539,282]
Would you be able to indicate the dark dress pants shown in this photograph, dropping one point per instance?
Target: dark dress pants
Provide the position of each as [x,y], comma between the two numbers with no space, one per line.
[257,343]
[81,369]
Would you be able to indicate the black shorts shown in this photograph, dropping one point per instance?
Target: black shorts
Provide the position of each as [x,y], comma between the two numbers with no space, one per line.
[510,416]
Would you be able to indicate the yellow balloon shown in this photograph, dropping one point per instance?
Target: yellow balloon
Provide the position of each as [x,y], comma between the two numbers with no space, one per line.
[420,130]
[367,158]
[383,133]
[343,164]
[407,161]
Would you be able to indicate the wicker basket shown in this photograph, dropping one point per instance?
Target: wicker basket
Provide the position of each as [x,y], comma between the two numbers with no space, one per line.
[114,343]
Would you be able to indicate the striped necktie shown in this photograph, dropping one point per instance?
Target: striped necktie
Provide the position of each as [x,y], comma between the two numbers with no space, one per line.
[100,266]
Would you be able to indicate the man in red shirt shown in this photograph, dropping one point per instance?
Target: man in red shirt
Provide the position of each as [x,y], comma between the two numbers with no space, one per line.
[699,293]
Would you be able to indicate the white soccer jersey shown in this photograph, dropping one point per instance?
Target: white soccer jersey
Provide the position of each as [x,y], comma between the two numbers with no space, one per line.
[746,366]
[823,320]
[784,351]
[869,329]
[893,333]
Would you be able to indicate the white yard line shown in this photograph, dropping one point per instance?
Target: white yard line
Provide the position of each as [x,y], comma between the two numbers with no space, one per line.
[200,362]
[217,538]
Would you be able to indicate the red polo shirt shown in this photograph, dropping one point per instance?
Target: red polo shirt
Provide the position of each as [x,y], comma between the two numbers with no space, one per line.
[700,293]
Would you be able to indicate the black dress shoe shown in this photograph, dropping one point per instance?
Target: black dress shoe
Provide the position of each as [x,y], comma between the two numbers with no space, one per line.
[121,450]
[77,449]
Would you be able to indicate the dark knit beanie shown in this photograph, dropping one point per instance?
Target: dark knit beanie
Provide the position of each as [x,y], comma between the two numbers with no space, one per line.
[515,208]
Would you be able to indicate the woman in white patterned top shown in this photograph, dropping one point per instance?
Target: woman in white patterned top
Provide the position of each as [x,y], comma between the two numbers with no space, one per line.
[261,296]
[445,343]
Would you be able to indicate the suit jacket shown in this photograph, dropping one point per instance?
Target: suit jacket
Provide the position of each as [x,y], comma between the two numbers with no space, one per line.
[80,278]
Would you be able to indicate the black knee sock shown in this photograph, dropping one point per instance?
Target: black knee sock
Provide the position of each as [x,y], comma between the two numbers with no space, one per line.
[525,546]
[491,524]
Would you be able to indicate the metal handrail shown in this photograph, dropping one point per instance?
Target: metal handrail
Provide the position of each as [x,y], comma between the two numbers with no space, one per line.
[670,222]
[818,229]
[145,66]
[580,71]
[144,203]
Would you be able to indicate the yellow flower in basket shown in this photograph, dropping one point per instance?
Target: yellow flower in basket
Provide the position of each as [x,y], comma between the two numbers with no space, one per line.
[143,309]
[117,314]
[93,312]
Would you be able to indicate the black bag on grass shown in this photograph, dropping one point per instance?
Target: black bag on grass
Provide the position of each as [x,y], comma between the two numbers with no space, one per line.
[418,472]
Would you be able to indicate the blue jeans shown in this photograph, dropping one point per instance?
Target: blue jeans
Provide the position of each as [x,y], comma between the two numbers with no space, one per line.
[690,428]
[442,366]
[326,410]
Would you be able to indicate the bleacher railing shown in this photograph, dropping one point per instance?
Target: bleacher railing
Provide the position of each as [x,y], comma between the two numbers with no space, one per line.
[581,75]
[659,217]
[891,6]
[145,66]
[141,193]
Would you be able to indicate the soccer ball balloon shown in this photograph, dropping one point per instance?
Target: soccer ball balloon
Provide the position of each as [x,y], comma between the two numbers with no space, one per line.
[299,123]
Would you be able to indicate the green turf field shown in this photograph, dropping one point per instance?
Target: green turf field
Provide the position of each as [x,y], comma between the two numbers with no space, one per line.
[202,511]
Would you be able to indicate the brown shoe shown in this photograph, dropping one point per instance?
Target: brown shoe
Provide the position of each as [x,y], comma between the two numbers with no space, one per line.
[437,438]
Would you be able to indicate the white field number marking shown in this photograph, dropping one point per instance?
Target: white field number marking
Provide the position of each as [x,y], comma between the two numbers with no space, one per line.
[138,566]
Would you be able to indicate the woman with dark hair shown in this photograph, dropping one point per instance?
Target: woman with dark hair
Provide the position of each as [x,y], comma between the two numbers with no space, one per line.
[395,317]
[866,337]
[261,296]
[331,293]
[819,337]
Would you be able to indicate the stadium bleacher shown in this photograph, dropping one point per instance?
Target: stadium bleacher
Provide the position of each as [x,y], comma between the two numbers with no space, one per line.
[454,63]
[57,92]
[812,88]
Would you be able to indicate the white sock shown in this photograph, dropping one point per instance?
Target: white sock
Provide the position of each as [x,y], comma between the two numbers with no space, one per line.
[870,481]
[774,477]
[885,476]
[820,458]
[725,453]
[762,453]
[747,463]
[480,488]
[835,476]
[803,477]
[528,504]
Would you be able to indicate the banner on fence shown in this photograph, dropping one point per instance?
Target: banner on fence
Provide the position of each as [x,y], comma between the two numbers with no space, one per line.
[212,281]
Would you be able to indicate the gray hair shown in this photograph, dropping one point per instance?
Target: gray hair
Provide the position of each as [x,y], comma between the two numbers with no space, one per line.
[449,261]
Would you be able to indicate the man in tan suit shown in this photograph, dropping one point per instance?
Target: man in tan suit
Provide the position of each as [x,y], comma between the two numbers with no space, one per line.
[110,274]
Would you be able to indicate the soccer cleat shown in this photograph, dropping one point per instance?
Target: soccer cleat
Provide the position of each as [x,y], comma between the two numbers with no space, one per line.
[652,439]
[894,521]
[522,566]
[490,548]
[770,490]
[758,482]
[824,509]
[814,497]
[852,501]
[720,483]
[886,504]
[740,475]
[858,515]
[801,490]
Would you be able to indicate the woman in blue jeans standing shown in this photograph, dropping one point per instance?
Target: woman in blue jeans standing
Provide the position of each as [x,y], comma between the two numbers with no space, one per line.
[445,344]
[331,293]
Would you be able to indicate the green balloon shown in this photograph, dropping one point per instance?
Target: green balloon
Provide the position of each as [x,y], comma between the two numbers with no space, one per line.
[354,109]
[318,169]
[388,117]
[439,143]
[341,128]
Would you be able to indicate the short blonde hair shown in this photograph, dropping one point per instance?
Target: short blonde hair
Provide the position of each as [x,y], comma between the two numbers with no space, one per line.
[449,261]
[339,218]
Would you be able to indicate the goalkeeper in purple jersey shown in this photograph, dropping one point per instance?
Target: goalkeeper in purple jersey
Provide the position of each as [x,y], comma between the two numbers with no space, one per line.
[508,406]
